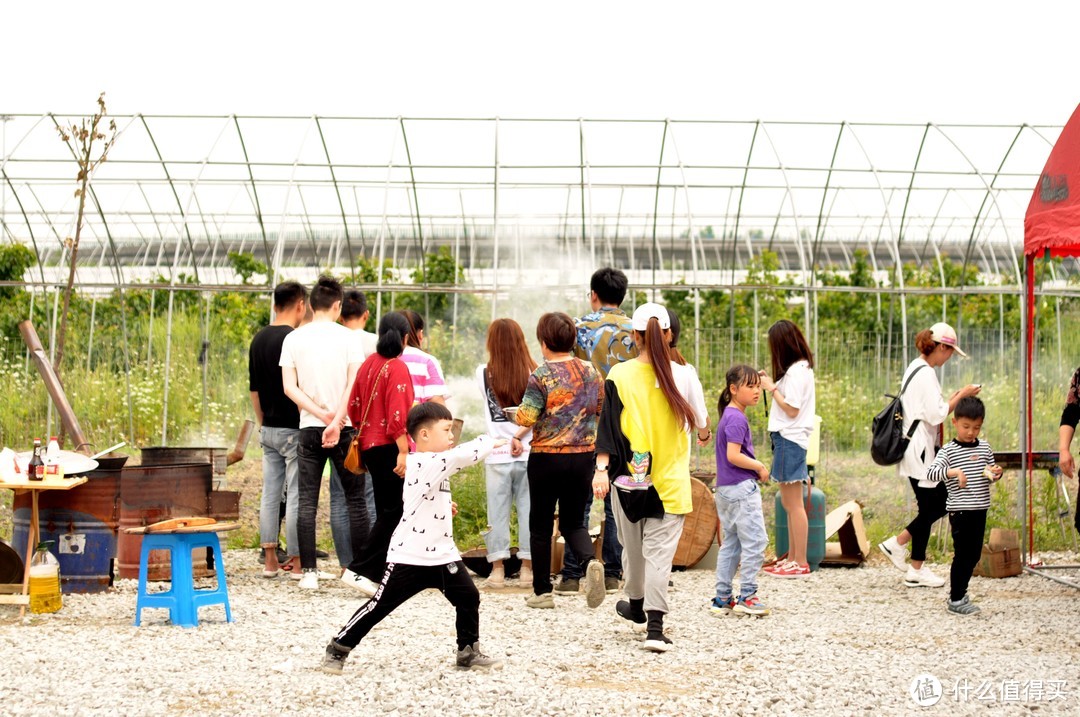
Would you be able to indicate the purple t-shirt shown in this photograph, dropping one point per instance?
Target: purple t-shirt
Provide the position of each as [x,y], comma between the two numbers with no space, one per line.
[733,428]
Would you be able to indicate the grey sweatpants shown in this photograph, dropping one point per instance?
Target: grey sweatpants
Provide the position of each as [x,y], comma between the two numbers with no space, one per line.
[648,548]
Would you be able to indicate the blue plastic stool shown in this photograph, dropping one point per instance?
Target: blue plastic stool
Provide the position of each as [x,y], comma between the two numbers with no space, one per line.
[182,599]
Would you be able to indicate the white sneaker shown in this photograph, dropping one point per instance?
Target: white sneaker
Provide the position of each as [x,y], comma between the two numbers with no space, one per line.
[497,578]
[309,580]
[365,586]
[895,552]
[922,578]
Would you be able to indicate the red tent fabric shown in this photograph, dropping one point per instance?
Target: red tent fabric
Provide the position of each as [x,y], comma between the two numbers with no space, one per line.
[1051,226]
[1052,221]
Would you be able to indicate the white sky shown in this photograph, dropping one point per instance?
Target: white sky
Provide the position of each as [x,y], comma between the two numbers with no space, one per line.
[978,62]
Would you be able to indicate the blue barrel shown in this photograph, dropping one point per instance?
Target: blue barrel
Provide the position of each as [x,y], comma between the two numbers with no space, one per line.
[82,523]
[815,544]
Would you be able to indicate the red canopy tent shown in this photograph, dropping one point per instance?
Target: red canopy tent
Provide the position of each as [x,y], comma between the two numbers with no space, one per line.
[1051,229]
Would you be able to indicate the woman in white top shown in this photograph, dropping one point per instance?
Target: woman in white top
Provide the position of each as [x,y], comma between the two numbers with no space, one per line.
[503,380]
[922,402]
[791,421]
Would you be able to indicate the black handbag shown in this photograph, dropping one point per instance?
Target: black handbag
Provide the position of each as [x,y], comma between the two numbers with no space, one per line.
[637,494]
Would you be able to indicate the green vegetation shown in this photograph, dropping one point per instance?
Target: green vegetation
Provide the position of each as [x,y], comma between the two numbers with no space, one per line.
[857,341]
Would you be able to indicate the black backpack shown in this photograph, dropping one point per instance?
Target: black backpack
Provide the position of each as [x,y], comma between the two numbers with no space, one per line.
[888,440]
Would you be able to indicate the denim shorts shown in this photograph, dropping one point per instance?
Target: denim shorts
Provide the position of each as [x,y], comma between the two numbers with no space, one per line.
[789,460]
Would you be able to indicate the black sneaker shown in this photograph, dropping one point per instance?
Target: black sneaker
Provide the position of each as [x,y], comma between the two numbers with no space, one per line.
[282,557]
[334,658]
[637,618]
[320,553]
[657,641]
[471,658]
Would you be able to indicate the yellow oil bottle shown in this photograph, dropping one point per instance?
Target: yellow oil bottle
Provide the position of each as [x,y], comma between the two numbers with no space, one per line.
[45,580]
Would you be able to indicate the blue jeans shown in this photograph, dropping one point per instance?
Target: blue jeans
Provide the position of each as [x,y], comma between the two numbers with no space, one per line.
[312,457]
[506,483]
[745,539]
[339,519]
[339,515]
[280,477]
[611,551]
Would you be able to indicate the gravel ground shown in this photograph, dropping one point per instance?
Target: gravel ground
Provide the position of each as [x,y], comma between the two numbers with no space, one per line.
[844,642]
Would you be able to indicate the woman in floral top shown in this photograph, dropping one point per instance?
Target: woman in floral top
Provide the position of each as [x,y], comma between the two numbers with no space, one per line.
[1070,417]
[379,404]
[562,404]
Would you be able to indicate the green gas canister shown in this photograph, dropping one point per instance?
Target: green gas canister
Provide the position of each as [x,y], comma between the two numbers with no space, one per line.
[815,514]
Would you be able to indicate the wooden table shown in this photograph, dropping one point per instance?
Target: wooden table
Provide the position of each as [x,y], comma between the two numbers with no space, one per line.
[15,594]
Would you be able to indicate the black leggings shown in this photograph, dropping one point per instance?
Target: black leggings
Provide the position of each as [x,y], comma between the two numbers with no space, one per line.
[380,462]
[968,528]
[566,479]
[931,503]
[401,582]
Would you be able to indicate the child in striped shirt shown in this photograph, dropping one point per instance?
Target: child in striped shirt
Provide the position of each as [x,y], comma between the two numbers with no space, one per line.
[967,466]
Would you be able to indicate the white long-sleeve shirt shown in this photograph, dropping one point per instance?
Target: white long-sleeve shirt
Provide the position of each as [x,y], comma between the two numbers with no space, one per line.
[425,535]
[922,401]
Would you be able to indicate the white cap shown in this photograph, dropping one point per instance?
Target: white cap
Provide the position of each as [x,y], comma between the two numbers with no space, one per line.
[647,311]
[942,333]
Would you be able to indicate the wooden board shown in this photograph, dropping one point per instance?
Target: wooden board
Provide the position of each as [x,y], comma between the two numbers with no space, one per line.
[193,524]
[699,528]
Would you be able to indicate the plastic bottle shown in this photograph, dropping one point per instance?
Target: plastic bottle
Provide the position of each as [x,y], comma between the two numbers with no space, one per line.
[52,459]
[45,580]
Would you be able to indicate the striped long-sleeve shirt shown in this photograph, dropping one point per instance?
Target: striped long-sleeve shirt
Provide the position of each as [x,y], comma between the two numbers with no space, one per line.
[971,458]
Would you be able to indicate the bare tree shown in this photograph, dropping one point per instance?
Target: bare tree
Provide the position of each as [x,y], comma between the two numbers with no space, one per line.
[82,138]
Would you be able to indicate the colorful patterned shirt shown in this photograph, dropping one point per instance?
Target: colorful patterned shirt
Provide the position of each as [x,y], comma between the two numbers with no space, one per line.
[1070,415]
[562,403]
[605,337]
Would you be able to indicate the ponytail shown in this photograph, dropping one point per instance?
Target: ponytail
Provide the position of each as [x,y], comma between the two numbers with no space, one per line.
[392,331]
[657,347]
[725,398]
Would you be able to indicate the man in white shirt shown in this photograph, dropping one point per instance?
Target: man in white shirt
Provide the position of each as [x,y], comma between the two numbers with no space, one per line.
[319,362]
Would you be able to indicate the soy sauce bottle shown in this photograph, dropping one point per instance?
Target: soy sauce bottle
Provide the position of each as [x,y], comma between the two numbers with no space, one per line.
[36,468]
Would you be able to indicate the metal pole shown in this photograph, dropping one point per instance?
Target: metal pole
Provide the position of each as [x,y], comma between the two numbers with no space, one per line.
[495,232]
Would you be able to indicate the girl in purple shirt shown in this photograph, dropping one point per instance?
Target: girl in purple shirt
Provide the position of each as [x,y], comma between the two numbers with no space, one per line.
[738,499]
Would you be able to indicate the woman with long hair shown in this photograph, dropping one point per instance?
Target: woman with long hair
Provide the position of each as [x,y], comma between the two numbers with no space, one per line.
[643,449]
[562,404]
[426,371]
[379,406]
[503,380]
[791,421]
[922,402]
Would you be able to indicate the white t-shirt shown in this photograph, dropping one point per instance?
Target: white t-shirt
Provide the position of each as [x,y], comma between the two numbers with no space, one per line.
[368,341]
[321,352]
[425,535]
[498,425]
[797,388]
[689,385]
[921,401]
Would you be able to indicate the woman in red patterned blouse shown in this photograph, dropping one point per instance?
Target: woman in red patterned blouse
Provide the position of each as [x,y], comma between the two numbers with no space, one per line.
[378,406]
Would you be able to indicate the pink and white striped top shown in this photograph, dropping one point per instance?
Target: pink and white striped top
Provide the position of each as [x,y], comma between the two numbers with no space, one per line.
[427,375]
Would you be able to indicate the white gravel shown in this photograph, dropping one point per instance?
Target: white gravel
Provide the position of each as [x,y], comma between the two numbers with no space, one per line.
[844,642]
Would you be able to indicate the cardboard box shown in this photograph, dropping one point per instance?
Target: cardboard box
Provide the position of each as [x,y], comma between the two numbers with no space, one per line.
[1001,556]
